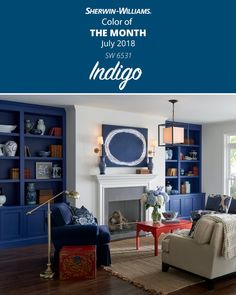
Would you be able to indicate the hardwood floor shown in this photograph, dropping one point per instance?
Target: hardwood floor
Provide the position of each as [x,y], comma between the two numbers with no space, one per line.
[20,268]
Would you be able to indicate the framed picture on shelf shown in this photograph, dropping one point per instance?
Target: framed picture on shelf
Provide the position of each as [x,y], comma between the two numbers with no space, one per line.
[43,170]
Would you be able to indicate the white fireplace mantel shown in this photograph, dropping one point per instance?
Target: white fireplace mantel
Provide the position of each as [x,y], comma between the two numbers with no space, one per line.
[119,180]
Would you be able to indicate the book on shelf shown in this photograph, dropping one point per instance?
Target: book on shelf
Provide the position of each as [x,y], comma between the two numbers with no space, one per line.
[56,150]
[27,173]
[45,195]
[14,173]
[56,131]
[27,151]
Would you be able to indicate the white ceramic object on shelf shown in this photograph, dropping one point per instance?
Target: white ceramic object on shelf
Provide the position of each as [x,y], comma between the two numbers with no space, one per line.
[2,200]
[56,171]
[41,126]
[168,188]
[170,154]
[187,187]
[10,148]
[7,128]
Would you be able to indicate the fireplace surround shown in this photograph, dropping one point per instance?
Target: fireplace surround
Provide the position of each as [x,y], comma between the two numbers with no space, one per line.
[122,193]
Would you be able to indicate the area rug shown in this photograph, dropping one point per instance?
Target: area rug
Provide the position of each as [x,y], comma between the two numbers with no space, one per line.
[142,269]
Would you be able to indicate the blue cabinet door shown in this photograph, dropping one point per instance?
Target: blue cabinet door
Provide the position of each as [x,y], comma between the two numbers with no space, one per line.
[186,206]
[11,224]
[36,223]
[199,202]
[175,205]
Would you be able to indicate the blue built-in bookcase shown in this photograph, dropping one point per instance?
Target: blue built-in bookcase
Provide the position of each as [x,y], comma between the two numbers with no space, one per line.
[185,165]
[17,228]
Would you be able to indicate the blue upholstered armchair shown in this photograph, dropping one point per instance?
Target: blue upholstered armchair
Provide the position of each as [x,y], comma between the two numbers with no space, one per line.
[65,233]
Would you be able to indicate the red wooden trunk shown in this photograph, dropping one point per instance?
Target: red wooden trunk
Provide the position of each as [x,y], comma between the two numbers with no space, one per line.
[78,262]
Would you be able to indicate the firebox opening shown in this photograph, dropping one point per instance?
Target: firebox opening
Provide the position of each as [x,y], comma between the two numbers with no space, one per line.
[123,216]
[123,209]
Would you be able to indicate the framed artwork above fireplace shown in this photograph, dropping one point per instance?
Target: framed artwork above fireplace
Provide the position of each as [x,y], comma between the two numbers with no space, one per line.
[125,146]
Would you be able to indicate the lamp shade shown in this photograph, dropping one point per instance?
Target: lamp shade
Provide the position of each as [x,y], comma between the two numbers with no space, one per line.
[173,135]
[99,140]
[153,143]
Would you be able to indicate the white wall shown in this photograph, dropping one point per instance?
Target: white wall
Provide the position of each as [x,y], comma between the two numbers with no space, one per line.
[213,155]
[87,127]
[70,150]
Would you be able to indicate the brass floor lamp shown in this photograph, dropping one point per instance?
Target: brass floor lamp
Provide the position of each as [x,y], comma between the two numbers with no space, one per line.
[48,273]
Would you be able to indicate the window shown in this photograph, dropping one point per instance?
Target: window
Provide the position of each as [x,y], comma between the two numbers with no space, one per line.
[230,175]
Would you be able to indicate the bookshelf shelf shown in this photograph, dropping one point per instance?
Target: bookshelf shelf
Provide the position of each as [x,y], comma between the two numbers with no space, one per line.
[44,180]
[49,159]
[42,136]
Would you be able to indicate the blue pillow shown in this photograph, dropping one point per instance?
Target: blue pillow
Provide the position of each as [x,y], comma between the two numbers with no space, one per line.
[61,214]
[219,203]
[232,207]
[82,216]
[213,202]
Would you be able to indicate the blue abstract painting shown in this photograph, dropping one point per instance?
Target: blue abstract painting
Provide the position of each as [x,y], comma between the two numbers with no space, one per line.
[125,146]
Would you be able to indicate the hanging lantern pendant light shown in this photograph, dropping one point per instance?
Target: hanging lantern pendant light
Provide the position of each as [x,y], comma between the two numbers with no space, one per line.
[173,134]
[170,133]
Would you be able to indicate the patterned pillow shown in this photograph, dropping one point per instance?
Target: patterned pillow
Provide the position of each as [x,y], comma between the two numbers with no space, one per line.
[218,203]
[82,216]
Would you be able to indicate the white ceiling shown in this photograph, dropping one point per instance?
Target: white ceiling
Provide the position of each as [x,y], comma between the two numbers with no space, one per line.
[190,108]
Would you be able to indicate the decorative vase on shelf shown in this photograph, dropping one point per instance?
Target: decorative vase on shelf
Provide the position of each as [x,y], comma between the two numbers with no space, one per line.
[156,216]
[28,126]
[168,188]
[2,198]
[170,154]
[10,148]
[150,164]
[31,194]
[41,126]
[102,164]
[56,171]
[187,187]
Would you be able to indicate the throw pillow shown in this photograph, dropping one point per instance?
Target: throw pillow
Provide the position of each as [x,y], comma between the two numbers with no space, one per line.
[218,203]
[203,231]
[195,216]
[232,207]
[82,216]
[61,214]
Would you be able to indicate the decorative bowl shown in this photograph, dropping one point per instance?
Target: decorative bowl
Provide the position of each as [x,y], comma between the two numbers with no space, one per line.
[7,128]
[174,192]
[44,153]
[169,215]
